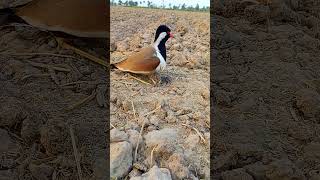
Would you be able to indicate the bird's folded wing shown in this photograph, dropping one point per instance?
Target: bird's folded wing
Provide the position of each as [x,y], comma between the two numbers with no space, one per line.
[144,61]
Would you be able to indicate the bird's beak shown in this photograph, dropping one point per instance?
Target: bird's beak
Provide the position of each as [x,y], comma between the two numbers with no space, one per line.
[171,35]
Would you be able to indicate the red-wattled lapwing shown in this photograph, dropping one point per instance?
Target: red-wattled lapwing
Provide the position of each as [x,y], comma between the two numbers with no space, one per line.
[149,59]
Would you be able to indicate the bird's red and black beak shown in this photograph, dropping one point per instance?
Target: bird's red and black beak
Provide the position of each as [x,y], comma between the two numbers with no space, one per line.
[170,34]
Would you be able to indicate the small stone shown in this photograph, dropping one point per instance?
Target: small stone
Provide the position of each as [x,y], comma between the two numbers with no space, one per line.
[155,173]
[236,174]
[120,159]
[163,136]
[117,136]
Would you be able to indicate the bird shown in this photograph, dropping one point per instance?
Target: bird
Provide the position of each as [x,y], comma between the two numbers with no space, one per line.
[150,59]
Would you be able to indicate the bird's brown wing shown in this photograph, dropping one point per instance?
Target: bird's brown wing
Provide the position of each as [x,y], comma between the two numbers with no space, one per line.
[143,62]
[84,18]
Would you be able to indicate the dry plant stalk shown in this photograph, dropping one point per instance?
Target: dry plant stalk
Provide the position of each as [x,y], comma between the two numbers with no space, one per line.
[112,126]
[151,157]
[200,135]
[81,53]
[140,80]
[35,54]
[76,154]
[87,99]
[140,134]
[41,65]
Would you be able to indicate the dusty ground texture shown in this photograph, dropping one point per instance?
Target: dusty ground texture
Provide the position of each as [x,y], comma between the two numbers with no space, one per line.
[169,114]
[266,86]
[37,94]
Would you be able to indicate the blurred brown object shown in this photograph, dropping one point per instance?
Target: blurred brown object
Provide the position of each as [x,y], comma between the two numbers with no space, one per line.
[83,18]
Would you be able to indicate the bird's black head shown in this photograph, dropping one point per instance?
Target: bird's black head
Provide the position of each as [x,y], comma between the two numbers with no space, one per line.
[161,43]
[161,29]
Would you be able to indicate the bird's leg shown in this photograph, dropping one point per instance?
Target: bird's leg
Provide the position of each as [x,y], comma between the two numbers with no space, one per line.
[65,45]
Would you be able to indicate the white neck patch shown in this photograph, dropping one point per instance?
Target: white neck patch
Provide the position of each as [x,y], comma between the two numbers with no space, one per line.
[163,63]
[157,42]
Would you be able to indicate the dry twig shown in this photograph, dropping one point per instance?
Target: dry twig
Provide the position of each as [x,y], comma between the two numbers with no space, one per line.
[200,135]
[87,99]
[76,154]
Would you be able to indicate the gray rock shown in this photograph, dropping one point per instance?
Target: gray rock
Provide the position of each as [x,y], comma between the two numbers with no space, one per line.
[118,136]
[155,173]
[120,159]
[163,136]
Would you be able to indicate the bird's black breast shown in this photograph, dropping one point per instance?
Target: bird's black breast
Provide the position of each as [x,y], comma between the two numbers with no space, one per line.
[162,49]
